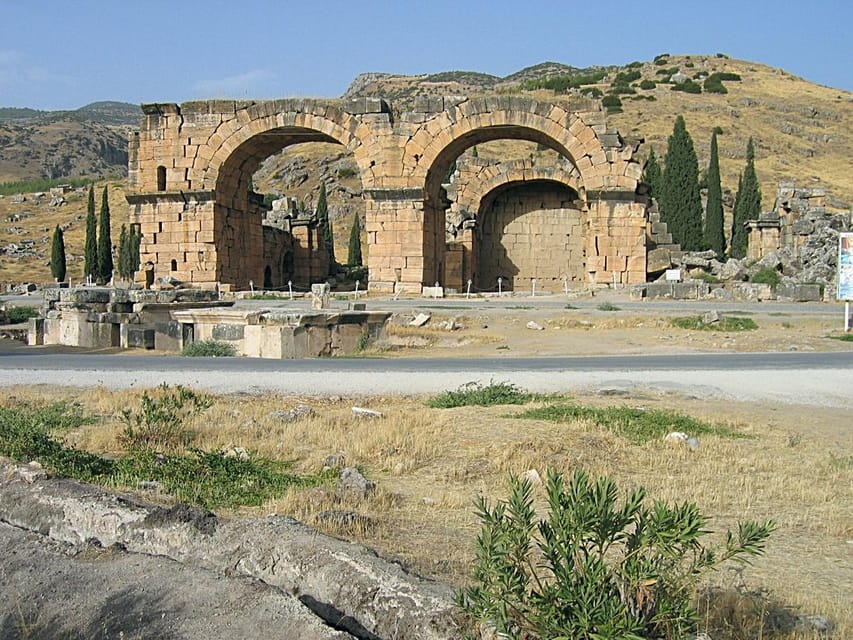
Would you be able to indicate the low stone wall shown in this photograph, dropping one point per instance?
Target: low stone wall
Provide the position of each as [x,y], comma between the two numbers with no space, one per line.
[700,290]
[103,317]
[283,334]
[345,584]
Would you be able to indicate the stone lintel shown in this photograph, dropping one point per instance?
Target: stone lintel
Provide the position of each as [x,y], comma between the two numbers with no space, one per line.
[409,193]
[359,106]
[160,108]
[171,196]
[619,195]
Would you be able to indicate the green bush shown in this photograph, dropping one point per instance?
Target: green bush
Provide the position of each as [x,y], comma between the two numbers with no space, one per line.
[687,87]
[21,314]
[621,89]
[608,306]
[596,567]
[767,275]
[593,92]
[347,172]
[648,84]
[159,423]
[613,104]
[661,59]
[626,77]
[209,348]
[475,394]
[713,84]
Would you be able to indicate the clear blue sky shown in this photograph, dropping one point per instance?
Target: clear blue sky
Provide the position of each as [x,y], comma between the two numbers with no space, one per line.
[62,54]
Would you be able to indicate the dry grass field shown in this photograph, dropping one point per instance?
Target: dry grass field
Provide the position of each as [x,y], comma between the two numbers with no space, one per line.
[795,465]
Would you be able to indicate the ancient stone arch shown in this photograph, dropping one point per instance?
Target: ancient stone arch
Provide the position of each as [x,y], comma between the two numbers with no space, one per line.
[204,226]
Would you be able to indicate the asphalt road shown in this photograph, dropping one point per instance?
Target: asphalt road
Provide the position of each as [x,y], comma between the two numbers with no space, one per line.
[813,378]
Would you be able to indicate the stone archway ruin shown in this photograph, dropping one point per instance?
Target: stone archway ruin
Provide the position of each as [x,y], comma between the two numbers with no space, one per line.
[190,165]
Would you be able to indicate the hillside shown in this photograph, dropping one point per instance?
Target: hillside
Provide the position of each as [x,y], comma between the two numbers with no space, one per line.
[803,131]
[88,142]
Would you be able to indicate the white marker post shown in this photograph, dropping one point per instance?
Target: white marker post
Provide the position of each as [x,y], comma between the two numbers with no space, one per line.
[468,291]
[533,287]
[500,281]
[252,287]
[356,289]
[290,288]
[566,285]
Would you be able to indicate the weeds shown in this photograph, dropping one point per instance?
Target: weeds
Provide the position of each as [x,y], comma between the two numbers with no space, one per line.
[726,323]
[473,393]
[844,337]
[21,314]
[608,306]
[636,425]
[209,349]
[208,479]
[159,423]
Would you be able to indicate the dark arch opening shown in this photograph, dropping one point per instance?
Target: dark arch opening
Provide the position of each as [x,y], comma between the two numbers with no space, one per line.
[268,277]
[161,178]
[173,265]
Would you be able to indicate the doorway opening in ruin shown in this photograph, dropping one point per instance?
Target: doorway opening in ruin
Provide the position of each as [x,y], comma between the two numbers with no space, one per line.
[504,202]
[267,193]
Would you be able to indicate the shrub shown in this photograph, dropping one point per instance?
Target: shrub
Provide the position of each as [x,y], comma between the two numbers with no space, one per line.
[626,77]
[622,89]
[473,393]
[209,348]
[613,104]
[726,323]
[687,87]
[661,59]
[767,275]
[596,566]
[159,423]
[608,306]
[648,84]
[21,314]
[593,92]
[713,84]
[347,172]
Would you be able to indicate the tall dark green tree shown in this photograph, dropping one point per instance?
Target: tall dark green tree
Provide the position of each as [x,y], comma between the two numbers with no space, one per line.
[747,204]
[57,256]
[326,226]
[355,259]
[680,202]
[135,241]
[652,175]
[715,237]
[105,243]
[123,253]
[90,250]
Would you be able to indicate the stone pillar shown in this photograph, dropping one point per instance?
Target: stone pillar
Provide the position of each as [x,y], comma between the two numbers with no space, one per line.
[400,256]
[615,241]
[765,236]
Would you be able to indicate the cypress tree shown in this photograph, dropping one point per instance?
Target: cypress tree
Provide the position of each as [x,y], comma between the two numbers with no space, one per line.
[680,202]
[652,175]
[57,256]
[355,243]
[135,240]
[715,237]
[90,251]
[326,226]
[123,253]
[105,243]
[747,204]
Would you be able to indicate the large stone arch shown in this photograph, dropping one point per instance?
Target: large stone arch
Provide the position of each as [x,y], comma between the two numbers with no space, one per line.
[189,163]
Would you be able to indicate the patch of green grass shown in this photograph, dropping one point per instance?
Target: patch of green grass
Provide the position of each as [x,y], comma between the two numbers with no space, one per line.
[34,186]
[726,323]
[475,394]
[208,479]
[636,425]
[766,275]
[570,306]
[608,306]
[21,314]
[844,337]
[707,277]
[209,349]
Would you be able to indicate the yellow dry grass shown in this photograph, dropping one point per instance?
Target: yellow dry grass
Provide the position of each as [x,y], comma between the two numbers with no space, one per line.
[796,468]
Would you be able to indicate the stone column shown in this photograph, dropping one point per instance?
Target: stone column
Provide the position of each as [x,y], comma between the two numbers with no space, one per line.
[402,248]
[615,241]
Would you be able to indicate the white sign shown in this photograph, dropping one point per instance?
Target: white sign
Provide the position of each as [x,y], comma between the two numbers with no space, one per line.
[673,275]
[845,266]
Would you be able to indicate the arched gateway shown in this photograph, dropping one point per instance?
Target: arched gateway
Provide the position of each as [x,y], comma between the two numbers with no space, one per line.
[191,165]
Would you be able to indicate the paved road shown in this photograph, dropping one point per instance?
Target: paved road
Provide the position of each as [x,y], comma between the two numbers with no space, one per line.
[824,379]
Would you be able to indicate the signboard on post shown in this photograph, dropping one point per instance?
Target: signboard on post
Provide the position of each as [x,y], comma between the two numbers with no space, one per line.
[845,274]
[845,266]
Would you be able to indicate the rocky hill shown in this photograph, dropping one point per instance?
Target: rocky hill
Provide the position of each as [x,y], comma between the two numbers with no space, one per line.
[88,142]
